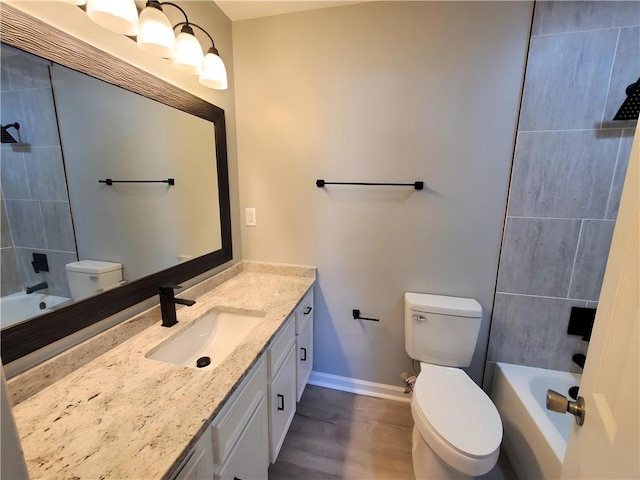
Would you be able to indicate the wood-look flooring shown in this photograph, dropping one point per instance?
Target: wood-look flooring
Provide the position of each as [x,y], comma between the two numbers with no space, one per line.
[336,435]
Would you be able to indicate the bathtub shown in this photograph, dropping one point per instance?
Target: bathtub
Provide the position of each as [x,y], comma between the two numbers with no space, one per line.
[535,439]
[20,306]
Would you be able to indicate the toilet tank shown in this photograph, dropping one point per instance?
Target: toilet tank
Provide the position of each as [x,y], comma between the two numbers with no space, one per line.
[441,330]
[90,277]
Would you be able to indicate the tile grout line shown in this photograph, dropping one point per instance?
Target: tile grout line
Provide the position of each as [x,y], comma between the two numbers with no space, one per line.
[575,258]
[542,35]
[564,218]
[564,130]
[548,297]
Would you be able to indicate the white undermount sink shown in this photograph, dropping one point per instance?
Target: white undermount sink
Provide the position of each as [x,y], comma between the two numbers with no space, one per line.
[214,335]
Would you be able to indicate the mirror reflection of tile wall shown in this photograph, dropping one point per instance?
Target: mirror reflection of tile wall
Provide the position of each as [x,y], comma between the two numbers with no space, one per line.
[35,206]
[568,171]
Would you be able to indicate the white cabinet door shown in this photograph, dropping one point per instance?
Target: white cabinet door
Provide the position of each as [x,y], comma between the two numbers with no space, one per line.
[249,459]
[282,403]
[199,462]
[305,356]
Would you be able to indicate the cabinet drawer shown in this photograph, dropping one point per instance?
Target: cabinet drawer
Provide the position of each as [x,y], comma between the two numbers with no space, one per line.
[282,403]
[250,457]
[279,348]
[304,312]
[304,343]
[230,422]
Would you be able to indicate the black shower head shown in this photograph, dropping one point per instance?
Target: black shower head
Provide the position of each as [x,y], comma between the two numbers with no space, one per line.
[630,108]
[6,136]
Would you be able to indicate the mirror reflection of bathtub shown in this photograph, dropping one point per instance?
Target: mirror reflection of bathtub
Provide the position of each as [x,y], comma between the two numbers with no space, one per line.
[535,439]
[21,306]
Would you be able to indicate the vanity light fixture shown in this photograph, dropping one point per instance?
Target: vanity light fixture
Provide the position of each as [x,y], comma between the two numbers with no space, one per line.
[211,70]
[213,74]
[188,54]
[156,34]
[120,16]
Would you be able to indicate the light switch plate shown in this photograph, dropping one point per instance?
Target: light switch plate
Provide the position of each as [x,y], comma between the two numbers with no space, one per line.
[250,217]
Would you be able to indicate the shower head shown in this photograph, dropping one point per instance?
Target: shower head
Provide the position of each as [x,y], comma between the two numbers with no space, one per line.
[6,136]
[630,108]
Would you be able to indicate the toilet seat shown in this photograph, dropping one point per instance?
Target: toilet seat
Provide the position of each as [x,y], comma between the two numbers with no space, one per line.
[456,419]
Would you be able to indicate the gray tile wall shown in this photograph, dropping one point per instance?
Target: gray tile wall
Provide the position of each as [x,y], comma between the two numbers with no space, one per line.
[36,217]
[568,170]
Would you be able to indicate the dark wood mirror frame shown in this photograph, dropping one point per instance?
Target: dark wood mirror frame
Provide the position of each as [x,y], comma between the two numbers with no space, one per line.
[22,31]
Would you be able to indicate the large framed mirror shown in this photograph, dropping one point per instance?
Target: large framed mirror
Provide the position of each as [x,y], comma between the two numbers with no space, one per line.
[160,233]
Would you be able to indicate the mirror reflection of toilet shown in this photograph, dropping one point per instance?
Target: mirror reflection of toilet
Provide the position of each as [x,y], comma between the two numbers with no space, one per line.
[457,430]
[90,277]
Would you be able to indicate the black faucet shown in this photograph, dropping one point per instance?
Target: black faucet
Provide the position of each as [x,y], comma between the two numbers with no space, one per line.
[35,288]
[168,304]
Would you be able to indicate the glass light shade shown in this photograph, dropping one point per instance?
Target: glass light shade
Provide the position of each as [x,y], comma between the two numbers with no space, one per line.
[156,35]
[213,74]
[120,16]
[188,54]
[74,2]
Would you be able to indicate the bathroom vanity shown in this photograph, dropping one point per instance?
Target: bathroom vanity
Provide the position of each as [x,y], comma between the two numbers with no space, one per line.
[126,415]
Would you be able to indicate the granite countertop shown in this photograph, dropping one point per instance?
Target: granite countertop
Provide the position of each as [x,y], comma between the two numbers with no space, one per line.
[125,416]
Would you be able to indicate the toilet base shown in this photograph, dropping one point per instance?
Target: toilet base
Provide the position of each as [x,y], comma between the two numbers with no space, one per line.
[427,465]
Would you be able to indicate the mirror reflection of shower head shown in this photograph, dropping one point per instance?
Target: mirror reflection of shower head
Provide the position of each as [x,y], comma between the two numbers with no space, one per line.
[6,136]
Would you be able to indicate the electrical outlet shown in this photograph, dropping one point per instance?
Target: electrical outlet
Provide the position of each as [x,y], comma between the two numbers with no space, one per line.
[250,217]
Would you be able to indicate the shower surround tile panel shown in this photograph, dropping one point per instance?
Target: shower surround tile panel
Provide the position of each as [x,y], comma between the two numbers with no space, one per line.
[10,281]
[532,331]
[563,16]
[45,171]
[125,416]
[620,174]
[537,256]
[58,228]
[626,70]
[25,218]
[10,109]
[563,174]
[591,259]
[40,128]
[15,182]
[6,240]
[24,71]
[563,70]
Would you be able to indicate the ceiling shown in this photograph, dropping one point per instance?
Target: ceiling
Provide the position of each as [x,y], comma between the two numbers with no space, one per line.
[246,9]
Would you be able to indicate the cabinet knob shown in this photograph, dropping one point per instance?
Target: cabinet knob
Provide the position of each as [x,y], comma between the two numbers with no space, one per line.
[304,354]
[308,311]
[280,402]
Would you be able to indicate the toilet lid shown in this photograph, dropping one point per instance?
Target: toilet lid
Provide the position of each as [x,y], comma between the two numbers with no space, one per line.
[459,411]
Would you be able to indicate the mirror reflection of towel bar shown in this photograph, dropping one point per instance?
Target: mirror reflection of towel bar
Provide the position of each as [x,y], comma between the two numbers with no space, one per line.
[109,181]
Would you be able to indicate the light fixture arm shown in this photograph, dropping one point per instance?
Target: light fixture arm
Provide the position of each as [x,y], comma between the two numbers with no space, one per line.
[158,4]
[213,48]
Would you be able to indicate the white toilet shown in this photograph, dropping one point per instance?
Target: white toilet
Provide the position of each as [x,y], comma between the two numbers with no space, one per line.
[90,277]
[457,430]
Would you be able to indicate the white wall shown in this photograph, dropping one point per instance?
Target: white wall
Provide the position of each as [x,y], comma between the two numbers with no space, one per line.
[205,13]
[381,92]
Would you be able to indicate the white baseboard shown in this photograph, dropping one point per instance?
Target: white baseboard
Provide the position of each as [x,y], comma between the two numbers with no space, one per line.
[361,387]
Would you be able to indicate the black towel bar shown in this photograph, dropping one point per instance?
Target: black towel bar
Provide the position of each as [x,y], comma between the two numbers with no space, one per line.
[110,181]
[417,185]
